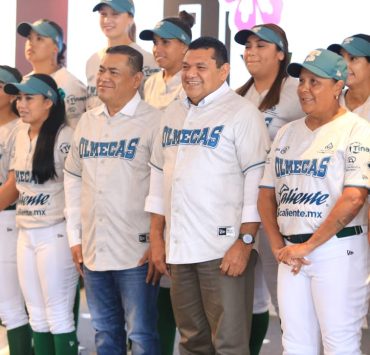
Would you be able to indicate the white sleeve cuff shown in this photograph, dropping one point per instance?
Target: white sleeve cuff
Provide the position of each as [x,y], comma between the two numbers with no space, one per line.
[250,214]
[154,204]
[252,179]
[74,237]
[72,210]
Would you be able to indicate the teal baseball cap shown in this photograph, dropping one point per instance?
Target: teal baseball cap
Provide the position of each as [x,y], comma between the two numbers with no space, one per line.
[44,29]
[117,5]
[323,63]
[7,77]
[355,46]
[168,30]
[33,86]
[263,32]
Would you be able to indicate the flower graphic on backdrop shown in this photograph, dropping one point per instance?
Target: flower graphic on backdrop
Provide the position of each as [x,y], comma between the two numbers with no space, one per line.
[246,11]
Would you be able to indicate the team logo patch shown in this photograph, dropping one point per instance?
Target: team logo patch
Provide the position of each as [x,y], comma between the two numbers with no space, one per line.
[144,238]
[328,148]
[227,231]
[357,147]
[312,56]
[64,148]
[348,40]
[351,159]
[284,150]
[294,196]
[268,120]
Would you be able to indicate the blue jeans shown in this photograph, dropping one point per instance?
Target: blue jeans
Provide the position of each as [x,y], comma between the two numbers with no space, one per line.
[119,301]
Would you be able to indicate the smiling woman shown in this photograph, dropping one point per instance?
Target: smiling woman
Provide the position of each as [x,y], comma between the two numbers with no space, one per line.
[171,38]
[116,19]
[266,57]
[47,275]
[12,310]
[312,205]
[45,49]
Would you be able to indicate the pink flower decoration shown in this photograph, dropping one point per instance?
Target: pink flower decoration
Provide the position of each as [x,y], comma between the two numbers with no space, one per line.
[245,15]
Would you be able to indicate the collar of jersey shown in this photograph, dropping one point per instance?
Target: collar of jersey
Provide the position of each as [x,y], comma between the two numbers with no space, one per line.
[211,97]
[127,110]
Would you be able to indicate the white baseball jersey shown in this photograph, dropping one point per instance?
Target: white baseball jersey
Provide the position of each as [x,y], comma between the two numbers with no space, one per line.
[39,205]
[75,95]
[308,170]
[159,93]
[287,110]
[8,133]
[362,111]
[92,67]
[204,152]
[111,156]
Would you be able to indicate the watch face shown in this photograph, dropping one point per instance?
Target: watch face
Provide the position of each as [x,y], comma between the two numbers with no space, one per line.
[247,239]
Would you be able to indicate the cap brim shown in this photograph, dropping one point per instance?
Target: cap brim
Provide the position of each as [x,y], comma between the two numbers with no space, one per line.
[14,89]
[24,29]
[335,48]
[294,70]
[146,35]
[242,36]
[98,7]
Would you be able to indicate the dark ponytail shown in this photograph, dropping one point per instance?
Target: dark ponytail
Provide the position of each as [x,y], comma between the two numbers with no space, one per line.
[43,163]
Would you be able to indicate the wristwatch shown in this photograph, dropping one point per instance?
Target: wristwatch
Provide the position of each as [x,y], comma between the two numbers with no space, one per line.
[247,239]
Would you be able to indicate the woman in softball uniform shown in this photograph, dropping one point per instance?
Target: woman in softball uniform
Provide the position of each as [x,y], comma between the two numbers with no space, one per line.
[356,98]
[44,50]
[12,308]
[266,57]
[117,24]
[46,271]
[312,205]
[171,38]
[356,52]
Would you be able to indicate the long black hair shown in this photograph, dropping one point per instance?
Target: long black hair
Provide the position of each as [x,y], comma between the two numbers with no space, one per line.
[43,163]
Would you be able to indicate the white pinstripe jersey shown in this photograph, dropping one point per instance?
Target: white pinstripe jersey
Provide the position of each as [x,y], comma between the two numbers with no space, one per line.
[111,156]
[362,111]
[308,170]
[75,95]
[204,152]
[288,109]
[8,133]
[39,205]
[159,93]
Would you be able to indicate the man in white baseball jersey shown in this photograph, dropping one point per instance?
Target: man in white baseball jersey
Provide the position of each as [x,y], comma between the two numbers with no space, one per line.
[117,24]
[107,179]
[209,158]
